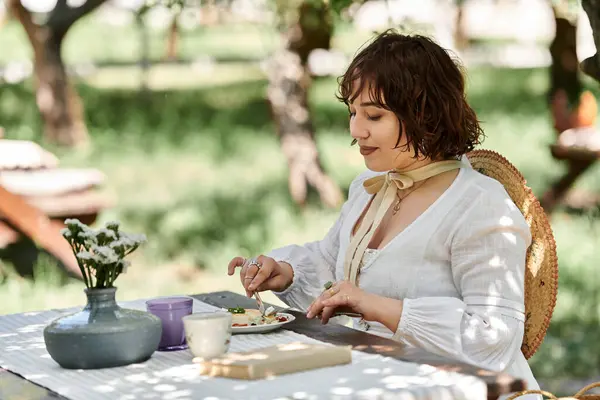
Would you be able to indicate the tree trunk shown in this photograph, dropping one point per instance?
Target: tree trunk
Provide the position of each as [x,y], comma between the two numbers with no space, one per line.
[571,106]
[461,40]
[57,100]
[144,52]
[313,29]
[289,84]
[210,15]
[59,104]
[3,19]
[591,65]
[572,109]
[565,85]
[173,39]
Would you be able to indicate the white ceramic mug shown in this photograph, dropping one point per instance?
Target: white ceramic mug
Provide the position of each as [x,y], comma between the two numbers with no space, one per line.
[208,333]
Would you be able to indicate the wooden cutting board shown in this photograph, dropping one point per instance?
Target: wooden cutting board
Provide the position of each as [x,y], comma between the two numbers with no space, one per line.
[275,360]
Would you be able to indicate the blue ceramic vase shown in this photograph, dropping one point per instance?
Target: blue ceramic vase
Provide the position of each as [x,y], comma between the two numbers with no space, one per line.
[102,335]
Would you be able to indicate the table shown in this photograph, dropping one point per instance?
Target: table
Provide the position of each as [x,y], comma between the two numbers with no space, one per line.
[13,387]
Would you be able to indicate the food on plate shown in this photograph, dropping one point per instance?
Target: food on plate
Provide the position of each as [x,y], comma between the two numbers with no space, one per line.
[252,317]
[270,310]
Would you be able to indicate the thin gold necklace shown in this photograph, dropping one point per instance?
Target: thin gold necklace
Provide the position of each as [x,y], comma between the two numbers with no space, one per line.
[396,207]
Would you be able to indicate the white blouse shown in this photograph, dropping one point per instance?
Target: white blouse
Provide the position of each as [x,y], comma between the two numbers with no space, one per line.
[459,269]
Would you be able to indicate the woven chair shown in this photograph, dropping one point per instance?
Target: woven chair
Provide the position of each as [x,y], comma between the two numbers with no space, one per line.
[541,274]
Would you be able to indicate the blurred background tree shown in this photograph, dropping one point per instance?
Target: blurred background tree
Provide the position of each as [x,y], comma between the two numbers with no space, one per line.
[58,102]
[306,25]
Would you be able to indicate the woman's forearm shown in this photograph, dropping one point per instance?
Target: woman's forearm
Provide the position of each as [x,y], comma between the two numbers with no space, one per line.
[287,274]
[385,311]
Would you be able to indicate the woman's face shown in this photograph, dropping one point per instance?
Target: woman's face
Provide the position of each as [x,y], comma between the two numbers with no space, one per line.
[376,131]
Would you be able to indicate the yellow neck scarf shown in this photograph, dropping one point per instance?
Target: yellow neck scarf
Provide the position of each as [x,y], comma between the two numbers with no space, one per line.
[385,187]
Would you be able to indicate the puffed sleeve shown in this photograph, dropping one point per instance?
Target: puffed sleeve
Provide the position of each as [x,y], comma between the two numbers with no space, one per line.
[314,262]
[485,327]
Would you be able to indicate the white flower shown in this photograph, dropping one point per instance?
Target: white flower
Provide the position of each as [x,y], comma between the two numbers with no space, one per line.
[116,244]
[75,225]
[87,235]
[112,225]
[107,233]
[120,246]
[125,241]
[72,221]
[85,256]
[136,238]
[105,255]
[66,233]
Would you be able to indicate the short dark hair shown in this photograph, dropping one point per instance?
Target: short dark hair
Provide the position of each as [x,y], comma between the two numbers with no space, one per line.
[417,80]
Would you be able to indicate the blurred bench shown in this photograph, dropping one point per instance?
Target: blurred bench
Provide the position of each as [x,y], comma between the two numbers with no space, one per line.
[580,148]
[36,196]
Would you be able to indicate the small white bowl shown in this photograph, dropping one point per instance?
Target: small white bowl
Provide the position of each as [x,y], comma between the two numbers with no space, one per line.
[208,333]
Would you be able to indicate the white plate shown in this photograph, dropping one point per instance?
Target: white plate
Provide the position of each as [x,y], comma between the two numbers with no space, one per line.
[263,328]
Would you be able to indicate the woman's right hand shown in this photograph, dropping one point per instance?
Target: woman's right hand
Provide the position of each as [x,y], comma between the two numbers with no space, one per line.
[267,275]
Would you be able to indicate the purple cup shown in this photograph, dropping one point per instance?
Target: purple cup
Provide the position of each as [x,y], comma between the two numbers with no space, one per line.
[171,310]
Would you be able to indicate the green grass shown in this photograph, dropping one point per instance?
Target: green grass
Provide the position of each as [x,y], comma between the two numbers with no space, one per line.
[196,166]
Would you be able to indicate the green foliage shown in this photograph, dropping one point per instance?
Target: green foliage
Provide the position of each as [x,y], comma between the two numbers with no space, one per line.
[287,10]
[337,6]
[175,6]
[568,9]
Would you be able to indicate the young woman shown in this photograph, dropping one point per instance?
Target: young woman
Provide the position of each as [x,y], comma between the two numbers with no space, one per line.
[427,250]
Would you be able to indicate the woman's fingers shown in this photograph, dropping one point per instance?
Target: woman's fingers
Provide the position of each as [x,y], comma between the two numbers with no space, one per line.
[250,273]
[255,274]
[252,267]
[317,306]
[262,273]
[337,296]
[339,300]
[313,309]
[326,314]
[234,263]
[274,283]
[244,278]
[251,270]
[334,302]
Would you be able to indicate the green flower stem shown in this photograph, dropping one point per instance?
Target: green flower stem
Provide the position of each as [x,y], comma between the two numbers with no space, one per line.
[95,273]
[89,269]
[83,274]
[134,248]
[111,275]
[100,277]
[116,274]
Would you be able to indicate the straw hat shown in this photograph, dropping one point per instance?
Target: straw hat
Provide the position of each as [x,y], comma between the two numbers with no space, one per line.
[541,275]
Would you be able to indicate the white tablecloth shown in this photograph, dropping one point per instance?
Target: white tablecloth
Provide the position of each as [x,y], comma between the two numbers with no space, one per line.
[173,376]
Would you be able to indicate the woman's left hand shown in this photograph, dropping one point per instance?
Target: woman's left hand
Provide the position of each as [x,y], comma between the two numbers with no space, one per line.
[343,295]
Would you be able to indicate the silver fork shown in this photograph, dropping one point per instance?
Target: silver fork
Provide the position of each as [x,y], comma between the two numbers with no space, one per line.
[261,305]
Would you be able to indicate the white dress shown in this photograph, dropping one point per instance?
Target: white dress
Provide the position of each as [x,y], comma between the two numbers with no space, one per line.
[459,269]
